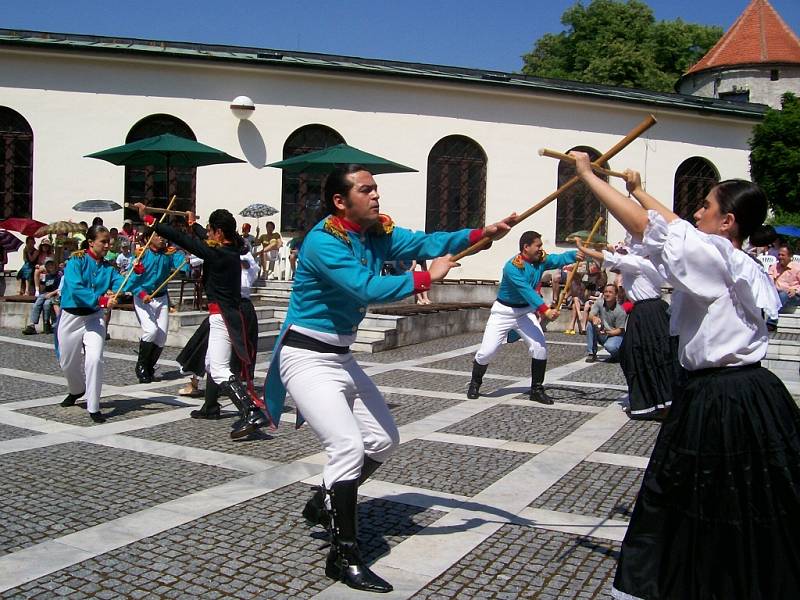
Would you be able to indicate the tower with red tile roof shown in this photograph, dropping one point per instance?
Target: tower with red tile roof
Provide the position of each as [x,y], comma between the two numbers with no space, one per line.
[757,60]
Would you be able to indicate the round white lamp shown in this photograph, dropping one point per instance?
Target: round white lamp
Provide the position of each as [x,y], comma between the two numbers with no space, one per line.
[242,107]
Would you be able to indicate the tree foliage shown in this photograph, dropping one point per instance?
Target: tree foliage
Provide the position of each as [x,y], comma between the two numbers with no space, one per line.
[620,43]
[775,155]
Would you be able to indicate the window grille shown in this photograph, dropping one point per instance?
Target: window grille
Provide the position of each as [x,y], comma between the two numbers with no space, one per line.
[456,191]
[577,209]
[16,174]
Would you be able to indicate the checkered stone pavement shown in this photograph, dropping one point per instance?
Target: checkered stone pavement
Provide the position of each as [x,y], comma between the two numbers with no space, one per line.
[521,424]
[112,407]
[78,502]
[51,491]
[522,562]
[9,432]
[594,489]
[259,549]
[15,389]
[450,468]
[636,438]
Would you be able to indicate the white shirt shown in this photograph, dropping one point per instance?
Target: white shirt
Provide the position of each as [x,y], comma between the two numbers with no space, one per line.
[249,274]
[640,277]
[719,295]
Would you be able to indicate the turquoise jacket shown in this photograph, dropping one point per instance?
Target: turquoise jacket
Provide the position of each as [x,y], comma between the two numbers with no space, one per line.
[520,278]
[155,268]
[86,280]
[339,275]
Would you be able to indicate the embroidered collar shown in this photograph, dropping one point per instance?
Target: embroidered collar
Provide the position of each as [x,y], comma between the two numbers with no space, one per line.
[93,255]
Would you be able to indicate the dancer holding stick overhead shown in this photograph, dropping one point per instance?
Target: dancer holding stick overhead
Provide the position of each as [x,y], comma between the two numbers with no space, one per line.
[157,265]
[718,512]
[227,325]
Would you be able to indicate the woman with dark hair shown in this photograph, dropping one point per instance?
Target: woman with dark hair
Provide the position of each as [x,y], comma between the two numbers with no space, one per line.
[81,328]
[220,247]
[719,510]
[30,256]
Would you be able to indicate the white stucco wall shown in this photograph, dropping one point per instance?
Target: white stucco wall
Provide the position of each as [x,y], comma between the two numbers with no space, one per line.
[712,83]
[79,103]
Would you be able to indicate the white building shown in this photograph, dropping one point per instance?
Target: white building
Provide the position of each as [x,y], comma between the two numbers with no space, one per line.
[757,60]
[473,135]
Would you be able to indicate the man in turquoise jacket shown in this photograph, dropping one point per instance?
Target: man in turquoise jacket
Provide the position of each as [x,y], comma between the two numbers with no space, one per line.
[338,277]
[517,301]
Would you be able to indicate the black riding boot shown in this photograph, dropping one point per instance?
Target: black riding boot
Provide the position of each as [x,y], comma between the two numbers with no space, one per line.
[252,418]
[478,371]
[538,394]
[315,512]
[344,561]
[154,356]
[211,408]
[143,362]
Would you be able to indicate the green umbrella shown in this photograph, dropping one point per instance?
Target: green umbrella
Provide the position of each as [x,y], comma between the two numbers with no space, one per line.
[324,161]
[164,150]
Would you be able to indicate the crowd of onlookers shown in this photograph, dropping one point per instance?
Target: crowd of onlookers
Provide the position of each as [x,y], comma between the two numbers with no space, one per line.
[783,266]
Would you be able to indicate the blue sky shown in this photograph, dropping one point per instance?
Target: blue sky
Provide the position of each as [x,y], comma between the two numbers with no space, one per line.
[467,33]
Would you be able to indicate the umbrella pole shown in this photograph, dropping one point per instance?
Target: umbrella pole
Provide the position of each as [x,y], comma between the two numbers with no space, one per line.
[646,124]
[563,295]
[138,258]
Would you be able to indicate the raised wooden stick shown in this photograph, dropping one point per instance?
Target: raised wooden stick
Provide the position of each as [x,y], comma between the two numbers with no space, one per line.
[149,297]
[563,295]
[138,258]
[165,211]
[597,169]
[646,124]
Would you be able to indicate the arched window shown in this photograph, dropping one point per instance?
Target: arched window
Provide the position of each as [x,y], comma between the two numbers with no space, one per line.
[16,174]
[577,209]
[694,178]
[456,195]
[301,193]
[153,185]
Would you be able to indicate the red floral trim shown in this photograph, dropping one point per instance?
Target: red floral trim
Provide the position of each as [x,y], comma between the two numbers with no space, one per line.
[142,295]
[214,309]
[386,223]
[103,301]
[475,235]
[138,268]
[518,261]
[336,227]
[542,309]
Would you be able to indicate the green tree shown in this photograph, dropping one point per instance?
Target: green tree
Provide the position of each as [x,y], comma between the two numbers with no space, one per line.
[620,43]
[775,157]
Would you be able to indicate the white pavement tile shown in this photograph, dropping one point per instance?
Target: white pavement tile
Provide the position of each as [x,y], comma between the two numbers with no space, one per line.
[609,529]
[622,460]
[37,561]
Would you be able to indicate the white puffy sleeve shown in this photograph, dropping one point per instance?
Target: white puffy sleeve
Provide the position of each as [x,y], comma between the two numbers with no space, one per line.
[689,259]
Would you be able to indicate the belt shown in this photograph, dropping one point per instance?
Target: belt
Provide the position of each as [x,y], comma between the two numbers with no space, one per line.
[512,305]
[295,339]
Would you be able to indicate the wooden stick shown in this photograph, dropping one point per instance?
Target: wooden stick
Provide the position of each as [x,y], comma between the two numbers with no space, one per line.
[562,296]
[646,124]
[561,156]
[165,282]
[138,258]
[166,211]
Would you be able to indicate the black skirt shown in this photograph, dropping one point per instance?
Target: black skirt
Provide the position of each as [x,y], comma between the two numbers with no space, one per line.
[192,358]
[649,360]
[718,514]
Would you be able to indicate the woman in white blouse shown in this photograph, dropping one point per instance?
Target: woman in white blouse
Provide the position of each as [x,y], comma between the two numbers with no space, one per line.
[718,514]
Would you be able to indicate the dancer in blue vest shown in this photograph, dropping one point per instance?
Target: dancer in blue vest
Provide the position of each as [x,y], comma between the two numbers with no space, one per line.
[81,328]
[517,301]
[156,265]
[338,277]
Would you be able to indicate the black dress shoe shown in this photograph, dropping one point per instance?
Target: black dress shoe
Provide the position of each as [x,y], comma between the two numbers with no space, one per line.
[472,392]
[70,399]
[212,414]
[97,417]
[539,395]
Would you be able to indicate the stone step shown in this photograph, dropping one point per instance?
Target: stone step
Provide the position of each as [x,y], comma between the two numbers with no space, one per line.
[269,325]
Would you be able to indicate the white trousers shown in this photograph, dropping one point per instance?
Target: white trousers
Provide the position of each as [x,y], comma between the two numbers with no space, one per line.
[342,406]
[503,319]
[81,340]
[218,354]
[154,319]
